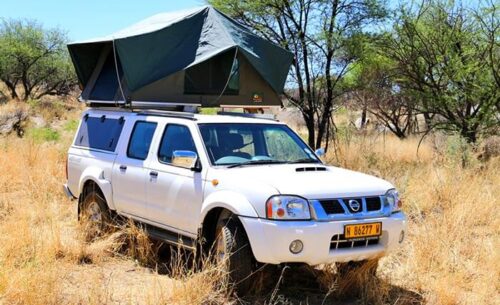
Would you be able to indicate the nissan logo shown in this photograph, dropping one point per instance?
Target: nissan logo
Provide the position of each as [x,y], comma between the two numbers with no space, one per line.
[354,205]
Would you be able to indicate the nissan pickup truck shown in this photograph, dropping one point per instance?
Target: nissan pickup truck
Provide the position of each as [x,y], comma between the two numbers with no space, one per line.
[249,190]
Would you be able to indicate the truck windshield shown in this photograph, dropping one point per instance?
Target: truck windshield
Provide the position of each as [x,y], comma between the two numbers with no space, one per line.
[237,144]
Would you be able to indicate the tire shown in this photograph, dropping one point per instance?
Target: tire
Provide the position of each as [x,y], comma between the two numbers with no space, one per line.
[95,216]
[365,267]
[233,251]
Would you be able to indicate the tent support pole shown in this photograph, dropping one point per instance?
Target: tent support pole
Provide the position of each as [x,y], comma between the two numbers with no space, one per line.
[115,56]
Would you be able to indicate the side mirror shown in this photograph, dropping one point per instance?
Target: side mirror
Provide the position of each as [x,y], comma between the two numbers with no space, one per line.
[320,152]
[186,159]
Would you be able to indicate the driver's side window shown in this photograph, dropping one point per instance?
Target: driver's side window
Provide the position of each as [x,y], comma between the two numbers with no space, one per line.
[175,137]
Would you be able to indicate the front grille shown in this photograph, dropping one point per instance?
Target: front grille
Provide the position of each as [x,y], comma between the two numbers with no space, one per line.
[340,242]
[332,206]
[366,204]
[373,204]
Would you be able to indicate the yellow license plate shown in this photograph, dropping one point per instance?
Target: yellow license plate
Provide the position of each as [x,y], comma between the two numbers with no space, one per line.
[363,230]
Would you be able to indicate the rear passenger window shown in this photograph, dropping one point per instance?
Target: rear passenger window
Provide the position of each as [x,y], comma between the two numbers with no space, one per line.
[175,137]
[140,140]
[99,132]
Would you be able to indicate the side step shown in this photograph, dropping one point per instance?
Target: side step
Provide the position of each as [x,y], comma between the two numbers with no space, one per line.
[169,237]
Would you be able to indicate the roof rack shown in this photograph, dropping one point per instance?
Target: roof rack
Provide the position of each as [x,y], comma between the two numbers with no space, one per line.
[137,104]
[265,116]
[166,109]
[170,114]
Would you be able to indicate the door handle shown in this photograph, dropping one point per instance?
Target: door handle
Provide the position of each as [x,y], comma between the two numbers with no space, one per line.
[153,174]
[123,167]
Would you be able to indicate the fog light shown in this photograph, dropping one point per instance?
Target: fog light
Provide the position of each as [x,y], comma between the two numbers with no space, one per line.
[401,236]
[296,246]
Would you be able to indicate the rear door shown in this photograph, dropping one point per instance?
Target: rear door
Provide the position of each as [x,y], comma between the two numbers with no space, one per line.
[130,169]
[175,193]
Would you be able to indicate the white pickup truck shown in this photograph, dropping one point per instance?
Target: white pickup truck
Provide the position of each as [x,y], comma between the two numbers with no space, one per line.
[249,189]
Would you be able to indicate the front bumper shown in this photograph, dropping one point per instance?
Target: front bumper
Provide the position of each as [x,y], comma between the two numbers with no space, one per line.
[270,240]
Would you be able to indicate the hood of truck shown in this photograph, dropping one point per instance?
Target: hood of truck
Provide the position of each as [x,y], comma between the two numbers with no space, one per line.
[311,181]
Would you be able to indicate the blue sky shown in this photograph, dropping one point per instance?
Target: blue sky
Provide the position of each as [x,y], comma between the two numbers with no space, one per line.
[85,19]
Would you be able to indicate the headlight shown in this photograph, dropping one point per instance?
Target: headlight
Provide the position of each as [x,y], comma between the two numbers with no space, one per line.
[287,208]
[392,197]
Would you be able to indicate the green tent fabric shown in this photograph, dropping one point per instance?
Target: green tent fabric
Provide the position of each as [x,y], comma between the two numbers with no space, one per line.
[153,59]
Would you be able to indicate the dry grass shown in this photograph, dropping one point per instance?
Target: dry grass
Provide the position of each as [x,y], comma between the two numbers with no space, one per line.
[450,256]
[44,258]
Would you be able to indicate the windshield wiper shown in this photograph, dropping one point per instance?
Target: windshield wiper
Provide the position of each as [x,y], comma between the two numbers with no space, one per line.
[305,160]
[256,162]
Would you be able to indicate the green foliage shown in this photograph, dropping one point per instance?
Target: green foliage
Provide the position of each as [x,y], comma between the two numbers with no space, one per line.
[447,56]
[43,134]
[33,61]
[377,90]
[71,126]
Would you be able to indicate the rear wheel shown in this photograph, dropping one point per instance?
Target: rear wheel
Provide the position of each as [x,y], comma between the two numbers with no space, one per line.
[95,215]
[232,250]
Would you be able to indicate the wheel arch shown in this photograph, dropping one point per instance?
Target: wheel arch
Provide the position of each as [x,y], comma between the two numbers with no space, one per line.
[88,186]
[209,224]
[95,175]
[235,202]
[215,204]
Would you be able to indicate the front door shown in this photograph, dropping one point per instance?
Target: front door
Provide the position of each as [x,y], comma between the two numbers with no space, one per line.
[174,193]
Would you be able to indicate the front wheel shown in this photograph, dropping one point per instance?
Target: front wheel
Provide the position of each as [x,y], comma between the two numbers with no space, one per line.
[232,250]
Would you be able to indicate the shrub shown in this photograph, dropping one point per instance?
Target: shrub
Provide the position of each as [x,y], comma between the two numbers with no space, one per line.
[44,134]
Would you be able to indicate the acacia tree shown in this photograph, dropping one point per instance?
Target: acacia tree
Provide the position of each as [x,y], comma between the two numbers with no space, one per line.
[34,62]
[375,89]
[448,59]
[322,35]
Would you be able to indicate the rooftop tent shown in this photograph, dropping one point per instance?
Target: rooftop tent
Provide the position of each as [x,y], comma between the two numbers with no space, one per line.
[193,57]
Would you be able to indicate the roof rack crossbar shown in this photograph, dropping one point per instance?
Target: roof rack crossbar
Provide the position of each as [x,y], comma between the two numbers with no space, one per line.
[170,114]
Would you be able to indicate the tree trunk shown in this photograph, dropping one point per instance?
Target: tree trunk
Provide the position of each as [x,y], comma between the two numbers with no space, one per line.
[363,116]
[321,132]
[12,89]
[400,134]
[311,132]
[470,135]
[27,88]
[428,120]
